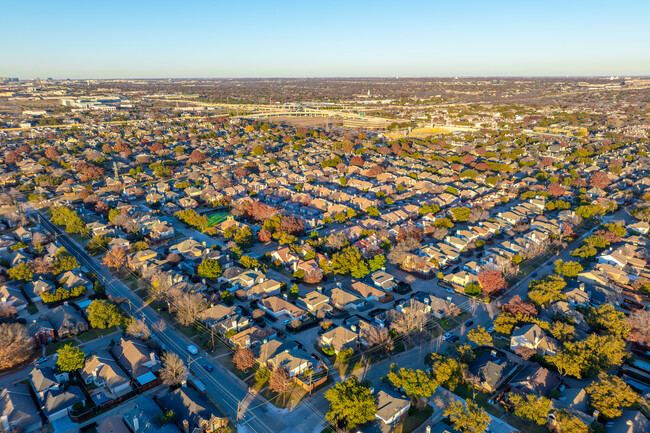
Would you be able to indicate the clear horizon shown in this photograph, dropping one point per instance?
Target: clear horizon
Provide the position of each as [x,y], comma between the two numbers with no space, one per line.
[297,39]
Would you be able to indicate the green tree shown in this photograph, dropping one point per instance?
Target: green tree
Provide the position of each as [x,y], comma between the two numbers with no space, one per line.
[21,272]
[98,244]
[209,268]
[447,370]
[568,269]
[473,289]
[469,418]
[531,407]
[606,318]
[590,356]
[244,237]
[70,358]
[569,423]
[415,383]
[351,403]
[372,211]
[480,336]
[349,261]
[610,394]
[461,213]
[546,291]
[65,262]
[103,314]
[377,262]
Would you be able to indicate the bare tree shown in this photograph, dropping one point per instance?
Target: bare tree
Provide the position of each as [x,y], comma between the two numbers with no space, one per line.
[42,267]
[138,328]
[337,241]
[280,382]
[410,322]
[39,238]
[478,214]
[188,307]
[14,344]
[378,337]
[7,311]
[174,371]
[174,258]
[159,326]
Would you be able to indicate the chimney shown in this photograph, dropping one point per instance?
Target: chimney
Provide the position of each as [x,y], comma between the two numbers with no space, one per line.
[582,286]
[186,426]
[152,356]
[136,424]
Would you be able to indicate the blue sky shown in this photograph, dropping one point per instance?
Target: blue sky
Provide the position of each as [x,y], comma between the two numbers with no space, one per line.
[275,38]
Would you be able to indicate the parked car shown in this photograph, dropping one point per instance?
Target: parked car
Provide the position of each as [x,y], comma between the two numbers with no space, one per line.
[470,322]
[490,330]
[192,349]
[208,367]
[447,336]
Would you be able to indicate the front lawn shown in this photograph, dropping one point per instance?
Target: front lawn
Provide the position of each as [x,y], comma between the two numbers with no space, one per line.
[414,420]
[93,333]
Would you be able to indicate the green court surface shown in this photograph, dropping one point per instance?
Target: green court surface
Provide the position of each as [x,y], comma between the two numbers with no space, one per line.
[217,218]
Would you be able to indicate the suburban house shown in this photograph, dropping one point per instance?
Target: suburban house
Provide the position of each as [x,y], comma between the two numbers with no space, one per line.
[533,337]
[392,407]
[369,293]
[251,337]
[41,332]
[142,418]
[17,410]
[277,307]
[344,300]
[490,369]
[339,338]
[66,320]
[193,411]
[57,404]
[137,359]
[314,302]
[102,370]
[277,354]
[383,280]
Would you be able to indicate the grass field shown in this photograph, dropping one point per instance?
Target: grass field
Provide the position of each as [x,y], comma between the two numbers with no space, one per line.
[217,218]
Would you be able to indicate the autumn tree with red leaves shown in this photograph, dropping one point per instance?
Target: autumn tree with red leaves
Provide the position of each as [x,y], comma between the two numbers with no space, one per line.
[243,359]
[12,157]
[491,280]
[52,153]
[357,160]
[518,306]
[196,156]
[556,190]
[264,235]
[156,147]
[599,179]
[292,225]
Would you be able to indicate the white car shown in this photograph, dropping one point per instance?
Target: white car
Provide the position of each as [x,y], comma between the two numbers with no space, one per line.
[447,336]
[490,330]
